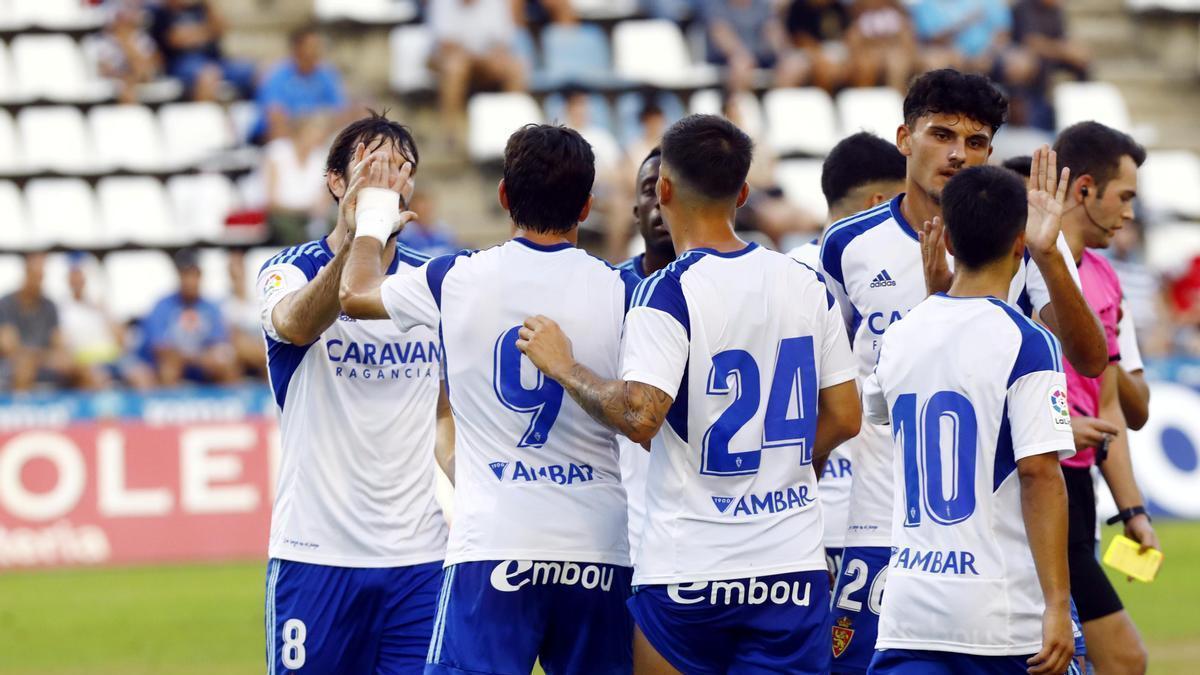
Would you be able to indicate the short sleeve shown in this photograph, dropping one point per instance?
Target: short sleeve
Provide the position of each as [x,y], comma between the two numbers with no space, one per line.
[276,282]
[654,349]
[1131,354]
[837,361]
[875,406]
[1038,415]
[1035,283]
[408,299]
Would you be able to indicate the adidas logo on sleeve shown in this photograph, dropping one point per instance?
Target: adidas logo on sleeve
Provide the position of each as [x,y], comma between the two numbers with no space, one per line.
[882,279]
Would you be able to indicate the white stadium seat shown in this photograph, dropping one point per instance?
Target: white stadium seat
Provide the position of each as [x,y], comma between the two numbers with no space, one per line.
[201,203]
[1083,101]
[800,120]
[605,9]
[63,211]
[57,14]
[127,136]
[214,273]
[53,67]
[14,224]
[256,258]
[10,90]
[57,283]
[10,147]
[1170,247]
[134,210]
[750,111]
[410,48]
[655,52]
[366,11]
[136,280]
[194,132]
[12,273]
[1169,183]
[800,180]
[492,118]
[55,138]
[879,110]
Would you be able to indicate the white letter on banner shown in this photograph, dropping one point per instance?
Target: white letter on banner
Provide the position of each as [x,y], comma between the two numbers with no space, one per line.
[69,482]
[116,499]
[200,467]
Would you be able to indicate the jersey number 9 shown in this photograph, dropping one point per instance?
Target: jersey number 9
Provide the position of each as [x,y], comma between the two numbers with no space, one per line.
[542,401]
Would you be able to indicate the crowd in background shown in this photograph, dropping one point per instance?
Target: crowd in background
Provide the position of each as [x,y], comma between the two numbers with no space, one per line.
[301,100]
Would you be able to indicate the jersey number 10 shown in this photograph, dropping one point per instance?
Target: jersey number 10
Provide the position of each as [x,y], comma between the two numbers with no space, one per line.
[921,441]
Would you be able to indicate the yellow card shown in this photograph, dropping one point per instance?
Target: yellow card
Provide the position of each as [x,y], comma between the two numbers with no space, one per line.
[1122,555]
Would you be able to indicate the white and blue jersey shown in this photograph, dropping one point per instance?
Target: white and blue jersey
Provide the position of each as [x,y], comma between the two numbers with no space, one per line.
[742,342]
[970,387]
[357,423]
[635,461]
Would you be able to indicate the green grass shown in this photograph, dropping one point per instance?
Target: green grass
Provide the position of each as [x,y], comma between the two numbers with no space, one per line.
[193,619]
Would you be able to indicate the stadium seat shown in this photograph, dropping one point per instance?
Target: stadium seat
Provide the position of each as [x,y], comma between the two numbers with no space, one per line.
[1169,183]
[52,67]
[201,203]
[244,116]
[800,180]
[629,106]
[10,148]
[134,210]
[214,273]
[410,48]
[750,111]
[62,211]
[12,273]
[127,136]
[800,121]
[653,51]
[194,132]
[597,10]
[58,14]
[879,110]
[575,53]
[55,138]
[256,258]
[366,11]
[1170,247]
[1083,101]
[10,91]
[14,225]
[492,118]
[136,280]
[598,110]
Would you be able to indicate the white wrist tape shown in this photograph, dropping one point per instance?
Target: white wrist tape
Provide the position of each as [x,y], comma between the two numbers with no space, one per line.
[376,213]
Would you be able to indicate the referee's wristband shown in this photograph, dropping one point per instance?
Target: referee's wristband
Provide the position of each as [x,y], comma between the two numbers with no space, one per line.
[1125,515]
[376,213]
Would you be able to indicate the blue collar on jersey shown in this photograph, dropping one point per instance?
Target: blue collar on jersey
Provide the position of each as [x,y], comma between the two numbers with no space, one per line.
[894,206]
[942,294]
[731,254]
[548,248]
[395,264]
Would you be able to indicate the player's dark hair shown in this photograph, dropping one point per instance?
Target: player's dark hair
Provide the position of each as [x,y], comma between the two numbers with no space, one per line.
[656,151]
[548,175]
[1092,149]
[374,127]
[950,92]
[1019,164]
[856,160]
[984,208]
[709,154]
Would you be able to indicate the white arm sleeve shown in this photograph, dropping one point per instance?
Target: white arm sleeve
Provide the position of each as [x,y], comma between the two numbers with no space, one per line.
[837,361]
[274,284]
[1038,416]
[654,349]
[1035,283]
[875,406]
[408,300]
[1131,355]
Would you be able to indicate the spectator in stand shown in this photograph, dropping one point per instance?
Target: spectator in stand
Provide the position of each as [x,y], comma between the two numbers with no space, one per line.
[124,52]
[962,34]
[31,343]
[653,122]
[188,33]
[1183,294]
[817,32]
[242,315]
[94,342]
[1041,26]
[303,84]
[882,45]
[744,35]
[428,233]
[1142,286]
[294,174]
[185,337]
[608,220]
[475,42]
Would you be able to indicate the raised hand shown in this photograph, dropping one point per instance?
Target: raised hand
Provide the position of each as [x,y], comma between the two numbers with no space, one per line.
[1047,194]
[933,256]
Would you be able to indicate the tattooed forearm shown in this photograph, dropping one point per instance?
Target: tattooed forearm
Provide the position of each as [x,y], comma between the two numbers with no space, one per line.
[636,410]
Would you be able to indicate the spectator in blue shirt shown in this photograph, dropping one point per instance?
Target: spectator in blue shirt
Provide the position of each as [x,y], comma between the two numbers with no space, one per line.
[188,33]
[301,85]
[184,336]
[967,33]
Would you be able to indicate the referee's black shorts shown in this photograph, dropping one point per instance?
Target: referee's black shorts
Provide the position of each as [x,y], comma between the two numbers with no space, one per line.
[1094,595]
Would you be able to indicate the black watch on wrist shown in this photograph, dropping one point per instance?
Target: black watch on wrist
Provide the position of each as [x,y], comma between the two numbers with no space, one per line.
[1124,515]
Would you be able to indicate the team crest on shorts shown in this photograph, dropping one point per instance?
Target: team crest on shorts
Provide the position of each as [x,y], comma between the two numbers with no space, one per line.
[842,634]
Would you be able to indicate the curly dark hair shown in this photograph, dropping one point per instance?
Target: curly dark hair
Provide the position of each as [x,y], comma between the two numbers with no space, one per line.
[375,125]
[948,91]
[548,175]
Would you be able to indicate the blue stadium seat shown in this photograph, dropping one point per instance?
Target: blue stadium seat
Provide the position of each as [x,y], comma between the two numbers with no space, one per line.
[598,109]
[575,54]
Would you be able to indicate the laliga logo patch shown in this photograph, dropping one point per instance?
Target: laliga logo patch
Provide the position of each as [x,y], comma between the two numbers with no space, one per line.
[1058,408]
[842,634]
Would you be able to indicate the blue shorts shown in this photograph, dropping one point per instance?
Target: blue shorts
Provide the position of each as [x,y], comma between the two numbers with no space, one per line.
[772,624]
[856,601]
[373,621]
[918,662]
[499,616]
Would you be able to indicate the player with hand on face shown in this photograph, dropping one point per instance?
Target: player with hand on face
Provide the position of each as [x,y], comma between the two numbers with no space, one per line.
[736,369]
[976,399]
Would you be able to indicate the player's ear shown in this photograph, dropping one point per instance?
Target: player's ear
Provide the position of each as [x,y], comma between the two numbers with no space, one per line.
[336,184]
[904,140]
[665,190]
[1019,245]
[1083,186]
[946,240]
[743,195]
[587,208]
[502,195]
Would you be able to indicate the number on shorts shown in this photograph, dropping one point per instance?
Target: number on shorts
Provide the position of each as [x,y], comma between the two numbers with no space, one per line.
[859,570]
[292,652]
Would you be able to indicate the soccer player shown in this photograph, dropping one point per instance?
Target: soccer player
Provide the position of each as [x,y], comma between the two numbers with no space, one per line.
[861,172]
[1103,165]
[538,560]
[874,262]
[659,252]
[977,403]
[357,536]
[736,368]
